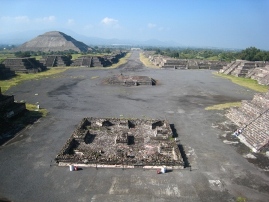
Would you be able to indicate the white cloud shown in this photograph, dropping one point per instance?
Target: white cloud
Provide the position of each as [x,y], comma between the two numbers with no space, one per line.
[22,19]
[17,19]
[48,19]
[109,21]
[70,22]
[151,25]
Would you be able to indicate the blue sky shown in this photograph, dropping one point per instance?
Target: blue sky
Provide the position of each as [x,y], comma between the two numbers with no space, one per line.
[202,23]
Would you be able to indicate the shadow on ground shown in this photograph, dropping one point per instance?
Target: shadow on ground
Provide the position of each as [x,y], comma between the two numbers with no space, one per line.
[11,127]
[180,147]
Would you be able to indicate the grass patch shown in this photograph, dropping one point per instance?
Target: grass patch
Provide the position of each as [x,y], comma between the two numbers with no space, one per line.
[248,83]
[146,61]
[76,56]
[6,84]
[121,62]
[241,199]
[34,111]
[94,77]
[223,106]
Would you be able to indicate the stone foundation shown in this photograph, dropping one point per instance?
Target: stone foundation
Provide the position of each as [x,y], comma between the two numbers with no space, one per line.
[127,80]
[110,142]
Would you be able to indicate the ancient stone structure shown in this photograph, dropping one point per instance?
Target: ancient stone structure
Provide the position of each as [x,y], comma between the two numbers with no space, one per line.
[166,62]
[98,61]
[260,74]
[111,142]
[53,41]
[128,80]
[241,68]
[5,73]
[24,65]
[8,110]
[253,118]
[56,61]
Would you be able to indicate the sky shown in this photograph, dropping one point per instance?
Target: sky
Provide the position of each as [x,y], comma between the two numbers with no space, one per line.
[200,23]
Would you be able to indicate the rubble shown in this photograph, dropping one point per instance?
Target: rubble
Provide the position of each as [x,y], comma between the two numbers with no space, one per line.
[111,142]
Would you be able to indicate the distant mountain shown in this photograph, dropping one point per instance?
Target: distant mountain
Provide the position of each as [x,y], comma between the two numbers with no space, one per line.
[53,41]
[22,37]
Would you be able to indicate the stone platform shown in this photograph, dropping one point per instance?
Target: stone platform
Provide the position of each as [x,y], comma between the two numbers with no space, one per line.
[128,80]
[111,142]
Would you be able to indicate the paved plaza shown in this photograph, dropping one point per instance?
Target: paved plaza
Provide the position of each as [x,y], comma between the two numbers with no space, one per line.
[217,173]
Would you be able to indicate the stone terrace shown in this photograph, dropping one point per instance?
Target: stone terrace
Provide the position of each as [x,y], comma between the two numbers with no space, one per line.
[111,142]
[56,61]
[253,118]
[260,74]
[242,68]
[166,62]
[127,80]
[24,65]
[98,61]
[6,73]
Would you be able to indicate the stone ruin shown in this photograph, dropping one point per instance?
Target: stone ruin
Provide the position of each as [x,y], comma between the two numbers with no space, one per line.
[112,142]
[8,110]
[127,80]
[98,61]
[253,118]
[172,63]
[258,70]
[24,65]
[56,60]
[6,73]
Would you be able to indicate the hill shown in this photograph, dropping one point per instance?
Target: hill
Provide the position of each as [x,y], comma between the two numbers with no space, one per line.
[53,41]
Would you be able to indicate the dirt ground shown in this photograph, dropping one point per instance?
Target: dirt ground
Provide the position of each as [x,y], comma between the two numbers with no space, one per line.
[218,171]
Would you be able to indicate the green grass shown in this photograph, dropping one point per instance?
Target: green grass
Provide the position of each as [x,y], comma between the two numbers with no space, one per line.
[248,83]
[223,106]
[76,56]
[146,61]
[6,84]
[241,199]
[32,108]
[4,56]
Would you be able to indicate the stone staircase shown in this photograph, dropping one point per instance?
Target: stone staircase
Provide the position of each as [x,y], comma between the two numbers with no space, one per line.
[253,118]
[260,74]
[243,69]
[230,67]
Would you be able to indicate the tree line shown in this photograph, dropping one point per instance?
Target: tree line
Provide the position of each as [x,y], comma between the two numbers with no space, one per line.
[250,54]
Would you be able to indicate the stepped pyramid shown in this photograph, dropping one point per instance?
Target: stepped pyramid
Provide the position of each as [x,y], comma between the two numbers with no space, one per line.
[253,118]
[53,41]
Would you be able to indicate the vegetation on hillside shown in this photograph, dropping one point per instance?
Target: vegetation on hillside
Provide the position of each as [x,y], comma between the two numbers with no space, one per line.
[251,54]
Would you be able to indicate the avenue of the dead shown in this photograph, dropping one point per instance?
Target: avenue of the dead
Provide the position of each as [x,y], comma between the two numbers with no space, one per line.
[214,171]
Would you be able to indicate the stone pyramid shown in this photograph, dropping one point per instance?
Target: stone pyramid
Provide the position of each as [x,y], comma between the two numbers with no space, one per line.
[53,41]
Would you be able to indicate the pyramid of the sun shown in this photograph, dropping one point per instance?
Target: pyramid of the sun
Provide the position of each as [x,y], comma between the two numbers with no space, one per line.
[53,41]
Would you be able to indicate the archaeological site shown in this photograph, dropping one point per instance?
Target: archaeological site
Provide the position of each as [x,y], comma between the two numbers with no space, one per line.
[110,142]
